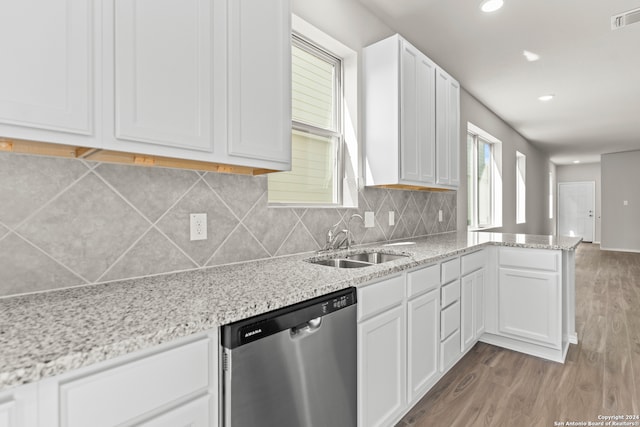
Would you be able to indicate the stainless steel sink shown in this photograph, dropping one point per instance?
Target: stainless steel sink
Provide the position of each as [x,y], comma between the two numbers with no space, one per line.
[375,257]
[357,260]
[341,263]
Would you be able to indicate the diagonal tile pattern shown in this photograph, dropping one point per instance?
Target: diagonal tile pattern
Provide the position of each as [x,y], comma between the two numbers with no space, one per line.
[144,257]
[86,228]
[151,190]
[221,221]
[66,222]
[28,182]
[24,269]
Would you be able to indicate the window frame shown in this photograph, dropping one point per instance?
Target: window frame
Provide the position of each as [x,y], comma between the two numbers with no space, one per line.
[346,186]
[495,200]
[521,190]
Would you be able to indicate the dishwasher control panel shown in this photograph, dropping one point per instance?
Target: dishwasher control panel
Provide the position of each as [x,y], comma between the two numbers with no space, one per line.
[257,327]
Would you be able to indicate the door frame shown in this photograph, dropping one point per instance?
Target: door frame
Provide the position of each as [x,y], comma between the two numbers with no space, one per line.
[593,198]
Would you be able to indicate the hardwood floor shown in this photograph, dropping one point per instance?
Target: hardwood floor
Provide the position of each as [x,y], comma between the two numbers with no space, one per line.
[496,387]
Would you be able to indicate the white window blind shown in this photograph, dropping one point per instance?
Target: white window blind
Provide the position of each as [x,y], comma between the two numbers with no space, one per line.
[316,136]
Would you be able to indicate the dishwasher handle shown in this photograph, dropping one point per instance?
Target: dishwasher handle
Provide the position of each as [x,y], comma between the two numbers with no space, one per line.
[306,328]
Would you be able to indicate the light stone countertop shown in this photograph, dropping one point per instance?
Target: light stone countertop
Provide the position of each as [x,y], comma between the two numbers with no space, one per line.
[49,333]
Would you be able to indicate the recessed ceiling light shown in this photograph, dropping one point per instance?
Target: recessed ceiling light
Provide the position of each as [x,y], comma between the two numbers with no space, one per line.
[576,161]
[546,98]
[491,5]
[530,56]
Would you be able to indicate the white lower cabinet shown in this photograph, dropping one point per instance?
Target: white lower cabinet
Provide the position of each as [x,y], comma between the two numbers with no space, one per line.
[381,353]
[193,414]
[381,366]
[529,306]
[472,314]
[19,407]
[175,384]
[423,316]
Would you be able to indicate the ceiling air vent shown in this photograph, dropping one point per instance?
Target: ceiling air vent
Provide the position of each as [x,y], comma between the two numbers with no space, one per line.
[623,19]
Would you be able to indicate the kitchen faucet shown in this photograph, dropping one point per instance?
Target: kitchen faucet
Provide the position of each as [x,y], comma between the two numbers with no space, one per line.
[332,236]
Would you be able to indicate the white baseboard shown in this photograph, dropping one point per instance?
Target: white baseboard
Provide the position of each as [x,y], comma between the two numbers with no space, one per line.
[620,249]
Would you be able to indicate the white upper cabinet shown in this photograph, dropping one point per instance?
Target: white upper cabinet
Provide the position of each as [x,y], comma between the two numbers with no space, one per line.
[163,72]
[204,80]
[260,79]
[47,73]
[406,112]
[447,129]
[417,116]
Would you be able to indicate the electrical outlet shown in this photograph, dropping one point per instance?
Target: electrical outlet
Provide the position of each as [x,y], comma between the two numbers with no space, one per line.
[369,220]
[440,215]
[392,218]
[198,226]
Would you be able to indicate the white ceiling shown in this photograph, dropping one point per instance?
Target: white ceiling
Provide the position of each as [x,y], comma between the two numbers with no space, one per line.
[593,71]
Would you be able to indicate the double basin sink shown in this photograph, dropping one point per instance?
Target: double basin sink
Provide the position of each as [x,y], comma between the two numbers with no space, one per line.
[357,260]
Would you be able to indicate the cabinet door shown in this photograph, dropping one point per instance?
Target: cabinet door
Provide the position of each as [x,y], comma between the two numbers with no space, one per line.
[529,305]
[381,368]
[163,72]
[417,83]
[18,407]
[442,115]
[467,314]
[447,129]
[453,133]
[46,78]
[423,316]
[409,144]
[191,414]
[260,79]
[479,303]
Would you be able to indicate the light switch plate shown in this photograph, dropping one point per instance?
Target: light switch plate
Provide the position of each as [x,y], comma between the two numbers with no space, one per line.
[626,203]
[198,226]
[392,218]
[440,215]
[369,220]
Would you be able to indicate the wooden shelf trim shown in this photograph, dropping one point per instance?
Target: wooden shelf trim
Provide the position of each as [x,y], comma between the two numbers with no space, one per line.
[109,156]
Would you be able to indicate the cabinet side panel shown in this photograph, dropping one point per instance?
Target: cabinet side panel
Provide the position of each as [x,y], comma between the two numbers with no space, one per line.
[381,92]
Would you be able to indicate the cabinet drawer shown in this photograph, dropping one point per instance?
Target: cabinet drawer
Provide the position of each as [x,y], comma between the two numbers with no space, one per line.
[117,395]
[380,296]
[450,320]
[450,293]
[473,262]
[530,259]
[450,270]
[449,351]
[423,280]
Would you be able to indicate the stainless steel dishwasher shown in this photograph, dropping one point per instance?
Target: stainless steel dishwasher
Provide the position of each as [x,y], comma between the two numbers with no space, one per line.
[292,367]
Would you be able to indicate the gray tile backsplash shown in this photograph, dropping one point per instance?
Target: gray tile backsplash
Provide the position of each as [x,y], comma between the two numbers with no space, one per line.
[66,222]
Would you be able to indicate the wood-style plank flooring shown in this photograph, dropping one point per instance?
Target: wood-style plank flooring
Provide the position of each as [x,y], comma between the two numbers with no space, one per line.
[496,387]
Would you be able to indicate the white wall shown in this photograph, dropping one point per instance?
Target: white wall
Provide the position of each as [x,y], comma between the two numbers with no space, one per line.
[582,173]
[538,168]
[620,173]
[351,23]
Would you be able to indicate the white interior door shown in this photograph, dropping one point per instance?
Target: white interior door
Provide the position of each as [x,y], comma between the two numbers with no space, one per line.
[576,209]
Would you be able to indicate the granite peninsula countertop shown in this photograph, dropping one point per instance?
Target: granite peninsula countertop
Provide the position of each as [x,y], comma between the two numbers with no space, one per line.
[49,333]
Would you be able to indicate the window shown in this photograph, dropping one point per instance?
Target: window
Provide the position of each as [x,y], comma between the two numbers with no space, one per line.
[521,188]
[483,193]
[550,195]
[317,136]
